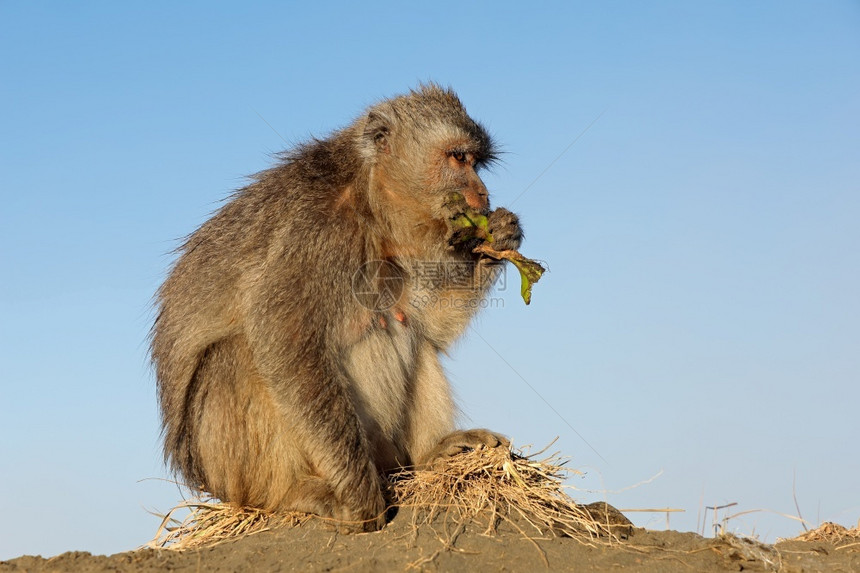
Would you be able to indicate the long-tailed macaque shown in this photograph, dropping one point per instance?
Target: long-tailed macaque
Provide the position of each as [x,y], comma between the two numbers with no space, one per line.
[297,339]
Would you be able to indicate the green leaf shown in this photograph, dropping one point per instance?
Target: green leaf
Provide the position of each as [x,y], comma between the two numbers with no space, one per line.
[530,273]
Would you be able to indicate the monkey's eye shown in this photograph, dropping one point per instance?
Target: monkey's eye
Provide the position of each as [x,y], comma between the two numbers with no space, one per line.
[459,156]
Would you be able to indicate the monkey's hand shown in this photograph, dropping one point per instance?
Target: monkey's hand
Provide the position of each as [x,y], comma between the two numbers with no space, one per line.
[464,441]
[504,228]
[363,506]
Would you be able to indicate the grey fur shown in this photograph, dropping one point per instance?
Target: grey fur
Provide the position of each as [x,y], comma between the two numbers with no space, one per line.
[277,388]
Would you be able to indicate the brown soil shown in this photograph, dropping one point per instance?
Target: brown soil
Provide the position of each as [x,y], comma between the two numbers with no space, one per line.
[441,547]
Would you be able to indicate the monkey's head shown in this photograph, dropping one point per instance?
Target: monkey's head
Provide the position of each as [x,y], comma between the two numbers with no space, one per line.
[423,147]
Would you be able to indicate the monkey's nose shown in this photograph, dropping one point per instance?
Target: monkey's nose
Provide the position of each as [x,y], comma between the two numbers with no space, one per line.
[477,199]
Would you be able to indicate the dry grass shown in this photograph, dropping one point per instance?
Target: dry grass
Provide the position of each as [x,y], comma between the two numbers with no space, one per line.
[492,486]
[484,487]
[210,522]
[831,533]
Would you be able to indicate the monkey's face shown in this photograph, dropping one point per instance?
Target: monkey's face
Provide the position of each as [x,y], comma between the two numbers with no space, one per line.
[460,173]
[426,148]
[429,172]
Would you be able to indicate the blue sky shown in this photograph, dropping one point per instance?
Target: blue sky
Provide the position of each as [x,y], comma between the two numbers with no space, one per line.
[701,316]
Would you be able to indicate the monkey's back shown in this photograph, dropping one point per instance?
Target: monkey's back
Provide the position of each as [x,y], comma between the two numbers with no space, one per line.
[276,232]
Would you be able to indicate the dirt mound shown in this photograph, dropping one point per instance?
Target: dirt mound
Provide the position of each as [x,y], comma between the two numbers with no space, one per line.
[488,511]
[430,547]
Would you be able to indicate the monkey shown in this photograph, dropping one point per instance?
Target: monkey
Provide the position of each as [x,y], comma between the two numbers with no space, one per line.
[284,382]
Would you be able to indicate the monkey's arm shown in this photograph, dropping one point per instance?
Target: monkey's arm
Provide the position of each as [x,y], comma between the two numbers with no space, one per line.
[431,418]
[448,302]
[504,228]
[461,441]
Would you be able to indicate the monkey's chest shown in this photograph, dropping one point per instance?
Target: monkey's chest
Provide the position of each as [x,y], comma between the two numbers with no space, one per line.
[381,367]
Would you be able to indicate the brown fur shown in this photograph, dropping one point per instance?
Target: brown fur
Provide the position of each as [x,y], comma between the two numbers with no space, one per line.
[277,388]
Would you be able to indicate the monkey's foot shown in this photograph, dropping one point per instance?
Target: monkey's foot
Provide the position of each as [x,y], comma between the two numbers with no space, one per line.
[362,505]
[352,521]
[464,441]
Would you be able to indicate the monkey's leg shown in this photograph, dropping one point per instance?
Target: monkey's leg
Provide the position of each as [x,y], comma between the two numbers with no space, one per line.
[328,432]
[312,395]
[239,439]
[248,451]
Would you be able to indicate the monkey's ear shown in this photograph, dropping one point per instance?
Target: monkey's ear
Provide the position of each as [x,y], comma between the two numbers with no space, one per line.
[376,131]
